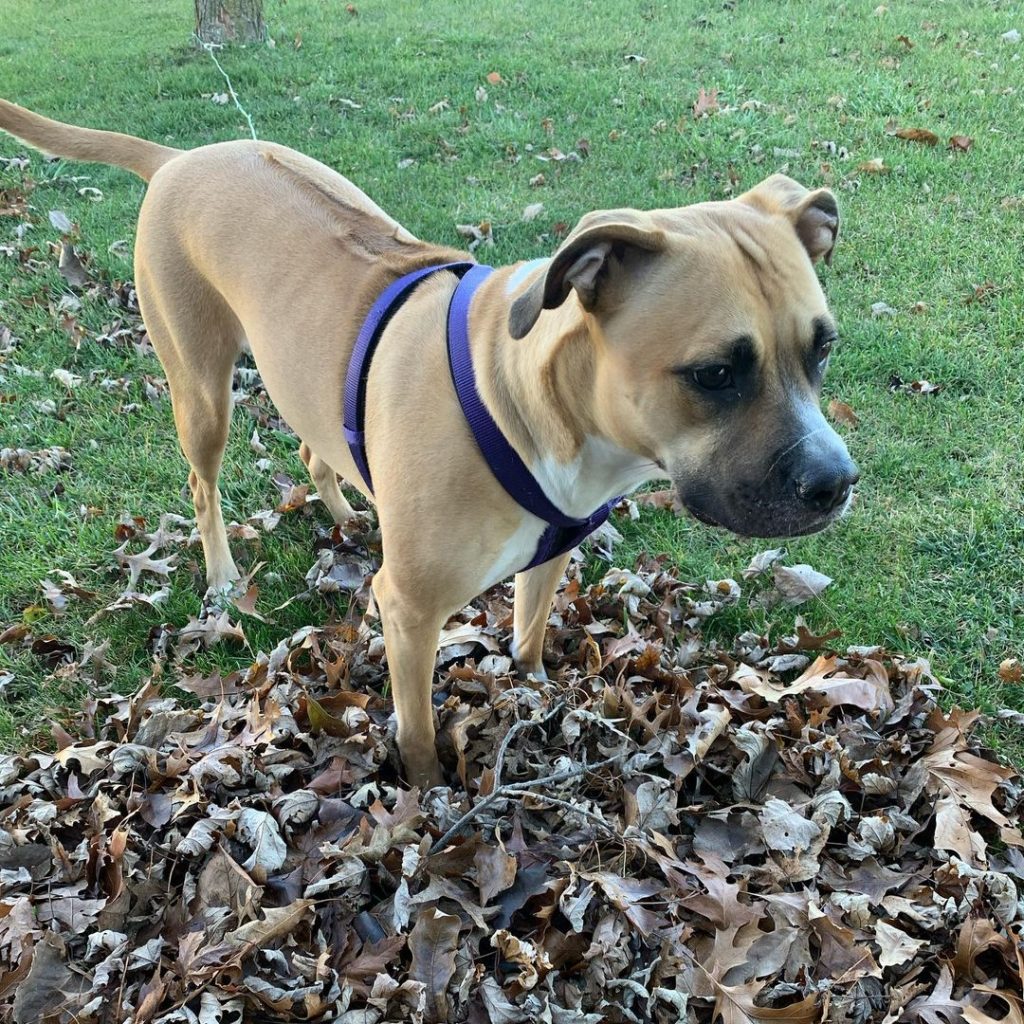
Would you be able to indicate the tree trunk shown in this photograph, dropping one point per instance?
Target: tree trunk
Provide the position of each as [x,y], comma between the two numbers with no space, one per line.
[230,21]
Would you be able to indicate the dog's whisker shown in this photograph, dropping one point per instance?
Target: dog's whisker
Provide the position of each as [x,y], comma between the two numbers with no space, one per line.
[800,440]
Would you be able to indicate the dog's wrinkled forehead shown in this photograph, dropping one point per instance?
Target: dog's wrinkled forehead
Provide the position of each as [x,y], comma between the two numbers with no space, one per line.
[776,230]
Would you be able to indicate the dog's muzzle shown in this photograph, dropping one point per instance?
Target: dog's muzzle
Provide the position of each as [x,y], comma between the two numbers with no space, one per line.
[807,485]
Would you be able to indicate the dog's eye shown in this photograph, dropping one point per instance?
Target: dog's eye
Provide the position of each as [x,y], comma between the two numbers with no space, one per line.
[822,350]
[713,378]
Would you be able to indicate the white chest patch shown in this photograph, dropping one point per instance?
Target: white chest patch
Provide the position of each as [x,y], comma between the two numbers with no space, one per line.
[600,472]
[516,552]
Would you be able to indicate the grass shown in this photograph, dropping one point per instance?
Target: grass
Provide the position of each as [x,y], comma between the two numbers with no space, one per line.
[932,559]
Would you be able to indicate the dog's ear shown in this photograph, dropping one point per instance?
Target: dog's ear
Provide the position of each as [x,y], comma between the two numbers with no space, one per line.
[583,262]
[815,215]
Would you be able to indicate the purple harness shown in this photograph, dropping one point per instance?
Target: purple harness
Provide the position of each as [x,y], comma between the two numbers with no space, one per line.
[562,532]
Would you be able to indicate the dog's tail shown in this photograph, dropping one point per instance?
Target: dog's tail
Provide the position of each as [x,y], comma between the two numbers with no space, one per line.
[53,137]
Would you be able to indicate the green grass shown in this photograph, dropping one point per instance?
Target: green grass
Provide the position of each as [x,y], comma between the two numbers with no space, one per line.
[931,561]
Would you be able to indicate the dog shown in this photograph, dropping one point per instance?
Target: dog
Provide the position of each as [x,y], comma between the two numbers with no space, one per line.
[687,344]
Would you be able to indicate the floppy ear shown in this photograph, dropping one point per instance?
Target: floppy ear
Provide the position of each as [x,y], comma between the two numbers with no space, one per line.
[583,262]
[815,215]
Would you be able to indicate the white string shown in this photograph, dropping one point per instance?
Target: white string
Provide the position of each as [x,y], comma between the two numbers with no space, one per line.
[208,47]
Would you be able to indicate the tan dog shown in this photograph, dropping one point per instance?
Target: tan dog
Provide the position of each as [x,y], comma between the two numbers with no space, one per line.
[683,343]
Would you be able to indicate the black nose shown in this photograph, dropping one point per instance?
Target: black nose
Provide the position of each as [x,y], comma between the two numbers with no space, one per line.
[826,487]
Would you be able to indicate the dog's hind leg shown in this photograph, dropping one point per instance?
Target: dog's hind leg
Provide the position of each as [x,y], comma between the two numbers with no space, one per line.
[326,481]
[535,590]
[197,339]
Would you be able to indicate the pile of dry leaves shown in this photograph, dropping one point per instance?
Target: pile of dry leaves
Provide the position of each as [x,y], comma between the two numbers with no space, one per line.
[666,831]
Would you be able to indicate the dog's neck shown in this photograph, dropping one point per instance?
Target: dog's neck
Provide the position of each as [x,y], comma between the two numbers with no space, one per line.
[542,391]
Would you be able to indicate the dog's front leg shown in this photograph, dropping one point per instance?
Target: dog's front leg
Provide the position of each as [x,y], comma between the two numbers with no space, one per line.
[535,590]
[411,631]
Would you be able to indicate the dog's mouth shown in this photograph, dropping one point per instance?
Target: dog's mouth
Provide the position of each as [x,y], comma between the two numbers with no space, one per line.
[764,523]
[701,516]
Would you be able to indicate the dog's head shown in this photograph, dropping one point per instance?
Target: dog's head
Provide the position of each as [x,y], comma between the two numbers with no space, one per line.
[712,337]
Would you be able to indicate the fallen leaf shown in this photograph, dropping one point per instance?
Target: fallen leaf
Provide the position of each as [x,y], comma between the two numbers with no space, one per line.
[797,584]
[479,233]
[432,942]
[67,378]
[49,985]
[1010,670]
[260,832]
[59,219]
[762,562]
[533,962]
[896,946]
[1014,1015]
[922,135]
[874,166]
[706,102]
[667,499]
[71,268]
[276,923]
[981,292]
[843,413]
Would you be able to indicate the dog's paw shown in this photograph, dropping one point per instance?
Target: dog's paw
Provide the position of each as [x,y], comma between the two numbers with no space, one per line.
[536,675]
[358,523]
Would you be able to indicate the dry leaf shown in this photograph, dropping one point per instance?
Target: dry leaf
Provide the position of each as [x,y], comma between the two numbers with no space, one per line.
[706,102]
[432,942]
[276,923]
[1014,1015]
[797,584]
[843,413]
[981,292]
[922,135]
[59,219]
[896,946]
[874,166]
[71,268]
[1010,670]
[260,832]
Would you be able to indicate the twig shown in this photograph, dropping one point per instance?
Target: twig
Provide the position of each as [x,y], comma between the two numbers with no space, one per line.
[572,809]
[513,789]
[208,47]
[522,723]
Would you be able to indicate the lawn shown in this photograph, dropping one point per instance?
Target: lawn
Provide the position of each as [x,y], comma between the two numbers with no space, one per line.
[448,114]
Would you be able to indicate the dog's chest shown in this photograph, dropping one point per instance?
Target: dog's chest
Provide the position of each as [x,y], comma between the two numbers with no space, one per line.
[517,551]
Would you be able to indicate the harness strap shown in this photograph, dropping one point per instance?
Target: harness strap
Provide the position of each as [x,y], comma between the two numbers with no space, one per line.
[387,304]
[562,532]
